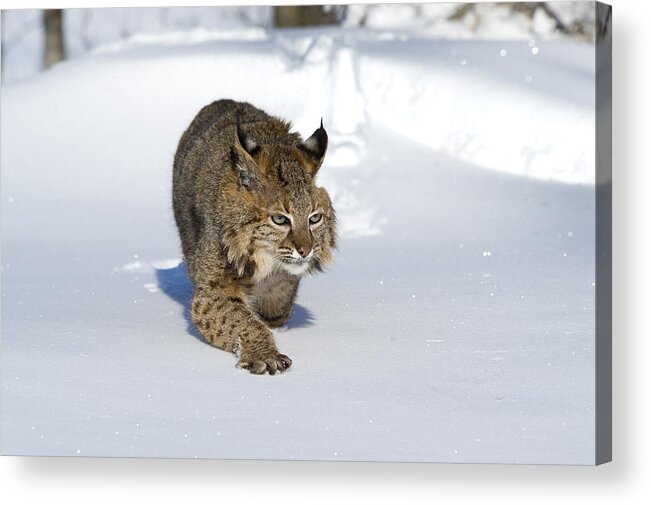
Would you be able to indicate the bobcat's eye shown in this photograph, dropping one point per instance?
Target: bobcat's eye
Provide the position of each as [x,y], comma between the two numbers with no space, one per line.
[315,218]
[280,219]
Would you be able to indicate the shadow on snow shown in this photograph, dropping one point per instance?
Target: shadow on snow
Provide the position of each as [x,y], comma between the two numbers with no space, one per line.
[176,284]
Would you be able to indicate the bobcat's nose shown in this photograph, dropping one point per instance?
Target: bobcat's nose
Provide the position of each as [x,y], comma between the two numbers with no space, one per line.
[303,251]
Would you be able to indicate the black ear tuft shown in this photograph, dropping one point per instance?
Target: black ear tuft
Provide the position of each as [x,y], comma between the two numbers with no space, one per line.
[315,148]
[247,143]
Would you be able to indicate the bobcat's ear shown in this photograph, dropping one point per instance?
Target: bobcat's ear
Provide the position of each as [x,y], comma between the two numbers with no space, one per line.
[242,156]
[314,149]
[246,142]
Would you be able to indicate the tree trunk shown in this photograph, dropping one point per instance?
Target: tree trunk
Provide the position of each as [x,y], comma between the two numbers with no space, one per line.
[54,46]
[3,45]
[286,16]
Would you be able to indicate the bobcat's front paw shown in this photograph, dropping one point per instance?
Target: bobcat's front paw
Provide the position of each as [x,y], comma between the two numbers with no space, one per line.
[258,364]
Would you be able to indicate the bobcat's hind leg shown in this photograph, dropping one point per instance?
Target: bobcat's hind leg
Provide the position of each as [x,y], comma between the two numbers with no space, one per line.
[274,298]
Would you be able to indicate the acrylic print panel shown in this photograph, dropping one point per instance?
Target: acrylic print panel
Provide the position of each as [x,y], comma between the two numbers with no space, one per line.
[458,322]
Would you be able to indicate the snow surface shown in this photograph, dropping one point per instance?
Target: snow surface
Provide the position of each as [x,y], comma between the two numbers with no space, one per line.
[457,323]
[87,29]
[486,20]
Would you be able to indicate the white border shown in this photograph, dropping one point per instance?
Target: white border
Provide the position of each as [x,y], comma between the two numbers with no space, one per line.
[627,480]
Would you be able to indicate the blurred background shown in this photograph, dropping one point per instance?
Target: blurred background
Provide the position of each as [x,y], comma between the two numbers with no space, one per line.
[33,40]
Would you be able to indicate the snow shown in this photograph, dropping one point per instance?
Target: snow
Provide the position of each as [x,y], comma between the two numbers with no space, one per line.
[485,20]
[457,323]
[88,29]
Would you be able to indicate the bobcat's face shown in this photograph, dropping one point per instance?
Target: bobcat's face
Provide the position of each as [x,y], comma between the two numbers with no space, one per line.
[303,226]
[295,226]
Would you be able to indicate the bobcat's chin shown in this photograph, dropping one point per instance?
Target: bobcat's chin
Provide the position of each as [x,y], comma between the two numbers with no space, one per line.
[296,268]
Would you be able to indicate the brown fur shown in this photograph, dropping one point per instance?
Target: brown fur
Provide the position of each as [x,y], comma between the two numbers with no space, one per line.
[236,170]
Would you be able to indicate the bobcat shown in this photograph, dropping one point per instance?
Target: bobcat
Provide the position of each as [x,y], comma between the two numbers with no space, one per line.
[252,223]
